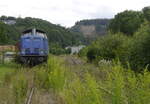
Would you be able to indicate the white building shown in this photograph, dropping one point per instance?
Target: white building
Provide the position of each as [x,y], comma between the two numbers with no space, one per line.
[75,49]
[9,22]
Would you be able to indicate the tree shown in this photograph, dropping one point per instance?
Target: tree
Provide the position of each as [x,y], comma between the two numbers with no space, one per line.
[146,12]
[108,47]
[139,49]
[3,35]
[3,17]
[126,22]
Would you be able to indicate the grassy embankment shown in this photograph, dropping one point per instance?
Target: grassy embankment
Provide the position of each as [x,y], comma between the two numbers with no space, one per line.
[71,81]
[7,68]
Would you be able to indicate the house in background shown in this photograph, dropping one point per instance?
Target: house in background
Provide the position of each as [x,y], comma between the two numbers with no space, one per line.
[9,22]
[75,49]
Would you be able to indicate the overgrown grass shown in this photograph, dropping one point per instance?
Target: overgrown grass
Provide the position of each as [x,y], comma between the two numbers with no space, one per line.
[83,91]
[53,75]
[108,85]
[81,84]
[13,85]
[7,68]
[19,87]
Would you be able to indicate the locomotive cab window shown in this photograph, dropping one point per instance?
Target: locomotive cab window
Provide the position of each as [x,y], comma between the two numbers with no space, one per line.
[36,39]
[27,39]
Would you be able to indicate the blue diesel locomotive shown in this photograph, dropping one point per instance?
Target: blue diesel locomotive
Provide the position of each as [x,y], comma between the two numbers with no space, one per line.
[33,47]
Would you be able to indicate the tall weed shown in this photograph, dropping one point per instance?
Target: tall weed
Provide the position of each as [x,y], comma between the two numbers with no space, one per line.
[83,91]
[19,86]
[56,73]
[51,76]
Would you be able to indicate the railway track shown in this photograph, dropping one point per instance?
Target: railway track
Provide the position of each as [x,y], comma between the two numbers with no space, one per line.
[74,60]
[30,92]
[29,98]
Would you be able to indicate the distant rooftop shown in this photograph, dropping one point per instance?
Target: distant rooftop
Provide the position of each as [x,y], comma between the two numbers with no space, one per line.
[9,22]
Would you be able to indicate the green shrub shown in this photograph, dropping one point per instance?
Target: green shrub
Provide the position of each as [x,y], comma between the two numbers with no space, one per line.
[117,84]
[93,54]
[83,91]
[20,86]
[51,76]
[56,73]
[41,78]
[130,51]
[109,47]
[83,52]
[146,12]
[139,49]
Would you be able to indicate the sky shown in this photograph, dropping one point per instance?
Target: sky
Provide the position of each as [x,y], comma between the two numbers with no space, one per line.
[67,12]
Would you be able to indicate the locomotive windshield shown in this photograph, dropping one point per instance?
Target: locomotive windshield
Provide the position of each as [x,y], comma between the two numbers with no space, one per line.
[35,32]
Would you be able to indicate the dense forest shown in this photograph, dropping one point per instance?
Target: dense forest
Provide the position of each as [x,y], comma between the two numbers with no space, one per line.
[128,41]
[59,37]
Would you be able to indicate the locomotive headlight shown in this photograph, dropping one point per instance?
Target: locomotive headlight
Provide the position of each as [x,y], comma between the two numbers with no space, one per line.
[41,51]
[23,51]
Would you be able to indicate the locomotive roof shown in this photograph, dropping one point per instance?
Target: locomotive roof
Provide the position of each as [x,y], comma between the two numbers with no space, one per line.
[30,30]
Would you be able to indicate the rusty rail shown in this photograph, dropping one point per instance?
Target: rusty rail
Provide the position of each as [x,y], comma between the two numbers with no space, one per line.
[29,98]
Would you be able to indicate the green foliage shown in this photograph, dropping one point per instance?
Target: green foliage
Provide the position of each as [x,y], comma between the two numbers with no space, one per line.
[146,12]
[92,54]
[81,91]
[20,88]
[57,74]
[131,51]
[108,47]
[51,76]
[117,83]
[6,70]
[138,87]
[118,86]
[56,49]
[3,35]
[41,79]
[112,85]
[8,34]
[139,49]
[83,52]
[126,22]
